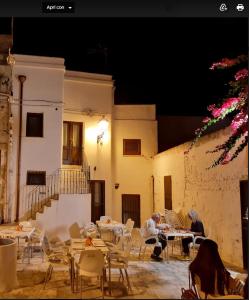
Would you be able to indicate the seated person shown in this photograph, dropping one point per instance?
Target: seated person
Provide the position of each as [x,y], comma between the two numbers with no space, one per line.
[209,274]
[151,228]
[197,228]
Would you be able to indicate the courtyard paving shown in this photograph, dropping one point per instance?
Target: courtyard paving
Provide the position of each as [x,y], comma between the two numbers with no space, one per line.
[149,280]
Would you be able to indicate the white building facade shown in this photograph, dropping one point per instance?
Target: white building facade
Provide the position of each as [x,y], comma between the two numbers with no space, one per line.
[61,145]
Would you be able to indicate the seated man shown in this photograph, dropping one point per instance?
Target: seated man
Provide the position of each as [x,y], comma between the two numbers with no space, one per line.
[151,228]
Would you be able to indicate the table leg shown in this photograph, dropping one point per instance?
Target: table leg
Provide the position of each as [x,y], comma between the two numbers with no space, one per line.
[109,281]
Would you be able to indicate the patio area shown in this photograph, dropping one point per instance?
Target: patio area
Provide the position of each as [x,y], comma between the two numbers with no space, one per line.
[149,280]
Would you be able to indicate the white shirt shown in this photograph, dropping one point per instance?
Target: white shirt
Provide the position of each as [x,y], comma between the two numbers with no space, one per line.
[150,228]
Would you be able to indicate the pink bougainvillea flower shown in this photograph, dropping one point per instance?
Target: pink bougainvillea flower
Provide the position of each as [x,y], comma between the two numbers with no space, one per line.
[225,62]
[226,159]
[237,105]
[211,107]
[197,130]
[216,112]
[240,119]
[241,74]
[216,65]
[229,102]
[206,120]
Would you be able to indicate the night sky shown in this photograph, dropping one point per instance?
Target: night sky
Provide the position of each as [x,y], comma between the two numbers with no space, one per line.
[162,61]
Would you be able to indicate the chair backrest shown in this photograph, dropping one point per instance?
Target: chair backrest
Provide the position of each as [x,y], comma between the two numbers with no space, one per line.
[25,224]
[141,232]
[162,218]
[45,245]
[74,231]
[172,218]
[125,252]
[105,218]
[90,229]
[38,236]
[129,225]
[92,261]
[136,237]
[181,218]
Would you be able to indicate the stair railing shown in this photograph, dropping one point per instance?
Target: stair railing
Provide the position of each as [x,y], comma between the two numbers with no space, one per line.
[62,181]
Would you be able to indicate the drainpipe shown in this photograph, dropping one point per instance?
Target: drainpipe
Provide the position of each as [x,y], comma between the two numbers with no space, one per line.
[153,196]
[21,79]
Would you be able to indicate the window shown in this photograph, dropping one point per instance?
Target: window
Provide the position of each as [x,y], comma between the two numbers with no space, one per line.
[34,125]
[36,178]
[131,147]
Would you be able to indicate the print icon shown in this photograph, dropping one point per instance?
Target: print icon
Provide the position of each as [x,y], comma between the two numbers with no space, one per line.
[240,7]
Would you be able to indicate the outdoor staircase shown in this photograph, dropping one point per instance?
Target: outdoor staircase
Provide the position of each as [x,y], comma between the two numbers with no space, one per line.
[63,181]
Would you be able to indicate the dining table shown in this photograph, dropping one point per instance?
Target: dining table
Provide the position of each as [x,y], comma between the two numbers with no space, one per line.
[107,229]
[177,233]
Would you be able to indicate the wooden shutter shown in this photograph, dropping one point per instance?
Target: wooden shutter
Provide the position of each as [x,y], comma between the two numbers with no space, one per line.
[131,147]
[167,192]
[131,208]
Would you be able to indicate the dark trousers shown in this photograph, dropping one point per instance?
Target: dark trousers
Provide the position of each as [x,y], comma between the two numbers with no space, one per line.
[162,239]
[186,241]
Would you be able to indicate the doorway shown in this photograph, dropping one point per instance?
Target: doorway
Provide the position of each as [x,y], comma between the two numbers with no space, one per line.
[131,208]
[167,192]
[97,189]
[72,143]
[244,220]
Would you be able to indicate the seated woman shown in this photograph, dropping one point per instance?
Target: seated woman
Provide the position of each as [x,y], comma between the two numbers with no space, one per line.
[197,228]
[209,274]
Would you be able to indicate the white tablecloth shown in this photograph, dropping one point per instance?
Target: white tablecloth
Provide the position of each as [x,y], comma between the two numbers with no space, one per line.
[107,230]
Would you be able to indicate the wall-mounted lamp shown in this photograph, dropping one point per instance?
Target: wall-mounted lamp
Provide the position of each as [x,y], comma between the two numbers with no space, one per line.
[116,185]
[10,59]
[102,128]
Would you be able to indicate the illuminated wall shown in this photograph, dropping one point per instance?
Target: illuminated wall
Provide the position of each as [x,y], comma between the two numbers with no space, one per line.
[214,193]
[133,173]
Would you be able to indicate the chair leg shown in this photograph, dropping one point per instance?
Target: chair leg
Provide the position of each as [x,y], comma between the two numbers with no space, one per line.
[144,251]
[102,285]
[29,253]
[72,279]
[109,282]
[81,287]
[23,255]
[139,252]
[77,281]
[121,275]
[42,254]
[26,253]
[48,275]
[128,281]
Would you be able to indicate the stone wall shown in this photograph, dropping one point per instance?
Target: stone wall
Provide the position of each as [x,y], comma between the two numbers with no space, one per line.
[214,193]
